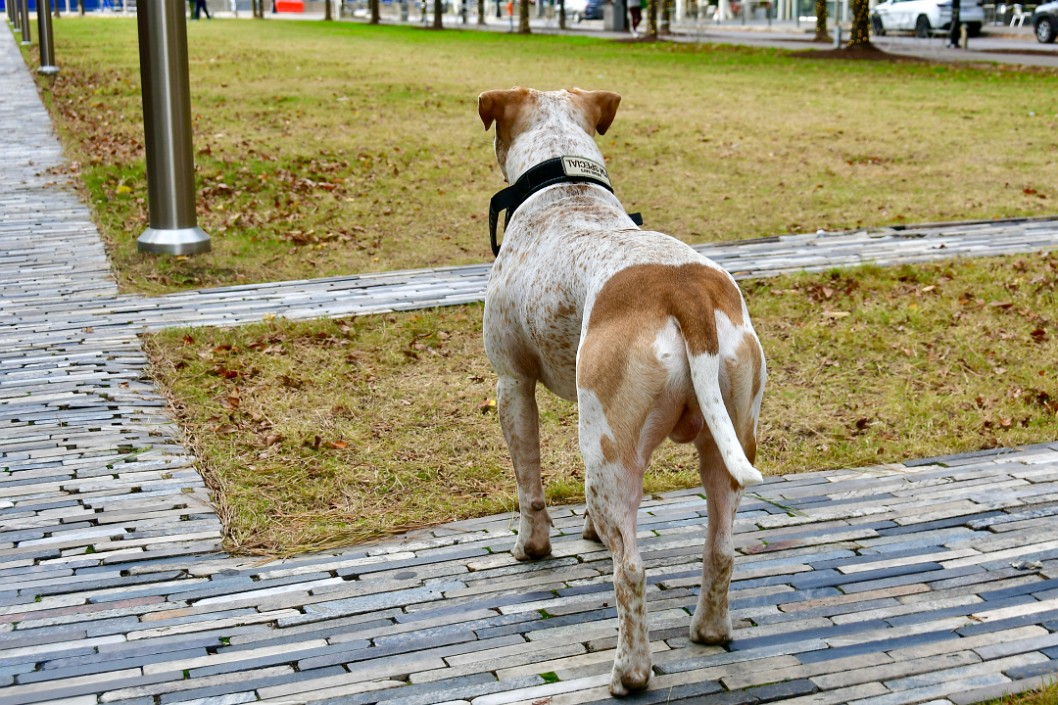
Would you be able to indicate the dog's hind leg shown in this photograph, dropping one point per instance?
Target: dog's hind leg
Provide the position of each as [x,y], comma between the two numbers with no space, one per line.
[614,516]
[741,384]
[614,485]
[711,623]
[519,419]
[588,533]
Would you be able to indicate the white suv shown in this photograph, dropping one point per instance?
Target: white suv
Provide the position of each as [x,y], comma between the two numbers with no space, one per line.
[924,16]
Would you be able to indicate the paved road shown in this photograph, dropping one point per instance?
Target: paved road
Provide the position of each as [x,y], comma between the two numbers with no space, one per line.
[932,580]
[998,43]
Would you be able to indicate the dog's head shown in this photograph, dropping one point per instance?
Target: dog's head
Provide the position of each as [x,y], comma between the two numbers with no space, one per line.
[532,126]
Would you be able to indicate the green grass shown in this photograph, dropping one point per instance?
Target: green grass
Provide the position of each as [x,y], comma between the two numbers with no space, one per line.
[1047,695]
[337,148]
[325,433]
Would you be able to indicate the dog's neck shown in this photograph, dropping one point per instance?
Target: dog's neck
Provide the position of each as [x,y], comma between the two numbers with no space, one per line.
[543,142]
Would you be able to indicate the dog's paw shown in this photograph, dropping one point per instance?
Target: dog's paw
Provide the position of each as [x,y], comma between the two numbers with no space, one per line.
[534,537]
[527,550]
[628,680]
[706,631]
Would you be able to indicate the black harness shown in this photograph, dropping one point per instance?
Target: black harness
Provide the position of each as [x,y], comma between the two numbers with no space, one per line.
[560,170]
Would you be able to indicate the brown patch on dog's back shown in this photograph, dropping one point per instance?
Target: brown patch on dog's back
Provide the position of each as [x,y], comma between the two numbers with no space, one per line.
[690,293]
[617,361]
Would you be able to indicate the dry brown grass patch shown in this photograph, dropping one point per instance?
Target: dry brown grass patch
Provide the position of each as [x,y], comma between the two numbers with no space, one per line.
[332,432]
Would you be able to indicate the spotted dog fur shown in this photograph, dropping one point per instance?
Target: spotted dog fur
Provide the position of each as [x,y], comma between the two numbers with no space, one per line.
[650,338]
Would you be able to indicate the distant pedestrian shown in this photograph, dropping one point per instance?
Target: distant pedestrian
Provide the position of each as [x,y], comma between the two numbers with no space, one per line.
[200,7]
[956,30]
[636,10]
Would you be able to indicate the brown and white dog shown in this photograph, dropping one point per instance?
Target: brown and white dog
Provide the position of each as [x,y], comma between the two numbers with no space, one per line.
[650,338]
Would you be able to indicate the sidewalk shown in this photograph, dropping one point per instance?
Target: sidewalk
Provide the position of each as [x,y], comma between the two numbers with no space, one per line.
[932,580]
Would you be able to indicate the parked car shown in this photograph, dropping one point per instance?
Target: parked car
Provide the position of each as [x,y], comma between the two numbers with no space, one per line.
[924,16]
[593,10]
[1045,21]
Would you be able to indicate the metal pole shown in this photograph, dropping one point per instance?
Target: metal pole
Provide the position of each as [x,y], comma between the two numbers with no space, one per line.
[47,46]
[167,128]
[23,22]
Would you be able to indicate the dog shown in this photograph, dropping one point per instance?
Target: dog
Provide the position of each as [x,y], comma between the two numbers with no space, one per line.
[650,338]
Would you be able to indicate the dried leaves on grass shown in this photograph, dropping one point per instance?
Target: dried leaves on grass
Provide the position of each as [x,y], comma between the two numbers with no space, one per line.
[331,432]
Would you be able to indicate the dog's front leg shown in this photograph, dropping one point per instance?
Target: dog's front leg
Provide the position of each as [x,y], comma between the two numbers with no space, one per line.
[519,419]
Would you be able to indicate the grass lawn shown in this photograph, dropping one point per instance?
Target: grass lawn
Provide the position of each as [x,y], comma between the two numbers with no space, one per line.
[1047,695]
[325,433]
[336,148]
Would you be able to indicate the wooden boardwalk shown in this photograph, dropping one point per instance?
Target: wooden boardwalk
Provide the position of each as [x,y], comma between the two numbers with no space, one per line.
[930,581]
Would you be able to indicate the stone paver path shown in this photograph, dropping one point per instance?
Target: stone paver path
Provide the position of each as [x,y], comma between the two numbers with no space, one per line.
[930,581]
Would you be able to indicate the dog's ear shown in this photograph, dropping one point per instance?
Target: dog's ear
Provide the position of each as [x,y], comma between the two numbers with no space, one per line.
[600,107]
[498,106]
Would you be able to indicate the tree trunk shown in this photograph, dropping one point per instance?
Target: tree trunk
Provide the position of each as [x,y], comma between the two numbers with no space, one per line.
[561,14]
[80,7]
[861,24]
[481,12]
[376,13]
[666,16]
[821,21]
[652,17]
[523,17]
[438,14]
[327,12]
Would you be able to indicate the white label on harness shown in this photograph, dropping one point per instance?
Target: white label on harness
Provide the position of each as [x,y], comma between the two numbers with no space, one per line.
[579,166]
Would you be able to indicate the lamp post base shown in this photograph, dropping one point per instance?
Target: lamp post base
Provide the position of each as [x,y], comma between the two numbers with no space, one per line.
[48,70]
[182,241]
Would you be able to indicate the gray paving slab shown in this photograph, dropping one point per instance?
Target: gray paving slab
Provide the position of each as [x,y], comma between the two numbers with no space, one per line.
[894,584]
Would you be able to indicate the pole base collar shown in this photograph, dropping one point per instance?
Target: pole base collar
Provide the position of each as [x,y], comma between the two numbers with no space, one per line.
[48,70]
[178,241]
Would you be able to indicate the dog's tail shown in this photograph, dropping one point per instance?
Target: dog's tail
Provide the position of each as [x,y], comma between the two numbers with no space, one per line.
[705,375]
